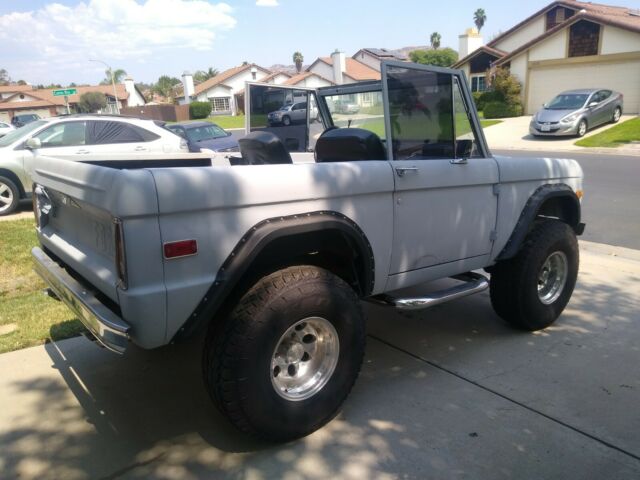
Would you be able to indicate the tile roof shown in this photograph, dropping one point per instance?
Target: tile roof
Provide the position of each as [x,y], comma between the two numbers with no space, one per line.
[354,69]
[484,48]
[15,88]
[301,76]
[222,77]
[46,98]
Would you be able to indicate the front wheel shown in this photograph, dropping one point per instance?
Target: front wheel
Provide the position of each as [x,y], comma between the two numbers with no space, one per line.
[286,121]
[282,363]
[531,290]
[582,128]
[9,196]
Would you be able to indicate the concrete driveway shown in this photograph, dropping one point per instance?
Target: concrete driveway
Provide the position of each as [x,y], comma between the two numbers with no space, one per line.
[513,134]
[447,393]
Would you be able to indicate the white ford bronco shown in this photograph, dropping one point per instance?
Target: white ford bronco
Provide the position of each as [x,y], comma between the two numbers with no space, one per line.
[269,253]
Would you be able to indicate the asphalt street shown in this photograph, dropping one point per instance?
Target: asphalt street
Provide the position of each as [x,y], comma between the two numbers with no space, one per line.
[611,204]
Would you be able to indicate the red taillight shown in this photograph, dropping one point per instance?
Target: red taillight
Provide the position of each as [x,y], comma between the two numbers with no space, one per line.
[121,259]
[181,248]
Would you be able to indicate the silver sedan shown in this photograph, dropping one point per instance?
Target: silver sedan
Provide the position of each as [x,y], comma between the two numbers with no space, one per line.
[574,112]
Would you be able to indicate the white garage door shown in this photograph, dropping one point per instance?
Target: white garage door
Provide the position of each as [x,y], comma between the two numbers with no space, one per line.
[623,77]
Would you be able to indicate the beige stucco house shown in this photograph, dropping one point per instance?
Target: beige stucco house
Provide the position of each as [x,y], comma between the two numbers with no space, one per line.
[566,45]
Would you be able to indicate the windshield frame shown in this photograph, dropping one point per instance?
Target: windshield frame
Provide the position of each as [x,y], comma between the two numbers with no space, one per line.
[21,133]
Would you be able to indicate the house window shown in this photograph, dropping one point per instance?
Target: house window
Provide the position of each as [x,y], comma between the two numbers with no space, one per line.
[584,38]
[478,83]
[220,104]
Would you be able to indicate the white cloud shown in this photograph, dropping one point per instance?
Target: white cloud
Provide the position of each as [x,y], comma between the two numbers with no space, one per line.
[58,37]
[267,3]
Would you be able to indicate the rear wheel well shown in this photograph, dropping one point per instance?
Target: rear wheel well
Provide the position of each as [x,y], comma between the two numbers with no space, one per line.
[14,178]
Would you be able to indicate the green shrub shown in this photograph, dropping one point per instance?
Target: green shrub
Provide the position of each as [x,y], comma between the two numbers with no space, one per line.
[199,110]
[501,110]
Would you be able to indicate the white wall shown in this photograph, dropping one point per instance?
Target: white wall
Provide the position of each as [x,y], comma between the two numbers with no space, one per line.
[524,34]
[519,68]
[550,48]
[279,79]
[237,81]
[217,91]
[323,70]
[368,60]
[313,82]
[616,40]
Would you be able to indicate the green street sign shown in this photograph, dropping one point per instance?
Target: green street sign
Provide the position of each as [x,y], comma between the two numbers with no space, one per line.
[65,92]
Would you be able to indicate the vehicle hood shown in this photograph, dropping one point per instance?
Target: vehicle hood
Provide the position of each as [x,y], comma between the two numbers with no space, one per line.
[216,144]
[546,115]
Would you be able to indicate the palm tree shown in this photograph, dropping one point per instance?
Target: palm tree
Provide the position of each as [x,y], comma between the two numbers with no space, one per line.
[118,76]
[479,17]
[202,75]
[435,40]
[298,59]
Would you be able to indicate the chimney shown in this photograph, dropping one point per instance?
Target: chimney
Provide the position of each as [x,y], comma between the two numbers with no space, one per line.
[133,99]
[187,85]
[339,66]
[254,73]
[469,42]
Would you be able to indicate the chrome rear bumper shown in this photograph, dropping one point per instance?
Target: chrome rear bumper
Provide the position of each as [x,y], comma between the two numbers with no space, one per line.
[108,328]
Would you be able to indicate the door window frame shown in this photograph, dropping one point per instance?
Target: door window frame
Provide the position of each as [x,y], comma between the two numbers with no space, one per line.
[470,105]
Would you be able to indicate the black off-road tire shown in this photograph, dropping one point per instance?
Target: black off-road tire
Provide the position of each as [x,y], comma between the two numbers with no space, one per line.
[11,194]
[237,353]
[514,282]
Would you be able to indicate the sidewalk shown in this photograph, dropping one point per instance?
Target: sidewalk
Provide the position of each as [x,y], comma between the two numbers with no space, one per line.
[513,134]
[447,393]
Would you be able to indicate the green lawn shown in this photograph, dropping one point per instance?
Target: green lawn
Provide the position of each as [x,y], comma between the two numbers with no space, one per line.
[27,316]
[227,121]
[626,132]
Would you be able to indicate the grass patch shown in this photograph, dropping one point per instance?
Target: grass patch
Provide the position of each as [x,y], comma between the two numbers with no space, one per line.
[622,134]
[488,123]
[27,317]
[228,121]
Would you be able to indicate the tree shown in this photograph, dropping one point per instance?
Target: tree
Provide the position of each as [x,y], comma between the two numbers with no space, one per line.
[479,17]
[504,83]
[298,59]
[435,40]
[441,58]
[165,86]
[91,102]
[4,77]
[21,82]
[118,76]
[203,75]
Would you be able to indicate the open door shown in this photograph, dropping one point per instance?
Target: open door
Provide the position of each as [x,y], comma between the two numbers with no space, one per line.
[290,113]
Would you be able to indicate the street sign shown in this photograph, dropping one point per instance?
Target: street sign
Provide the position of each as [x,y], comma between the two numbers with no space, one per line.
[64,92]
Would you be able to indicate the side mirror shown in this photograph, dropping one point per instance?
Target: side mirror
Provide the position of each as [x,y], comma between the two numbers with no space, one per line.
[544,105]
[33,143]
[464,148]
[593,104]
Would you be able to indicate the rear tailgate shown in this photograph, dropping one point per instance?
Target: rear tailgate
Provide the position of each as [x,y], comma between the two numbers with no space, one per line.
[79,229]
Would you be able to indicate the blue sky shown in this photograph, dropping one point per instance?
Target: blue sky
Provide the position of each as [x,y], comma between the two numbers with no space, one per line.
[45,41]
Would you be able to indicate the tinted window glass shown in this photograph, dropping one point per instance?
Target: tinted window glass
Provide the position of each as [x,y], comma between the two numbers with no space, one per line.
[463,128]
[420,108]
[21,132]
[271,110]
[66,134]
[569,101]
[102,133]
[178,131]
[205,132]
[146,135]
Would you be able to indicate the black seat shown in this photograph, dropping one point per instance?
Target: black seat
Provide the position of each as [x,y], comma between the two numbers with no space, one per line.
[349,145]
[263,148]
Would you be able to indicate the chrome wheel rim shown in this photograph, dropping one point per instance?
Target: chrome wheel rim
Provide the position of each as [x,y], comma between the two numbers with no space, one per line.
[616,115]
[582,129]
[6,197]
[304,359]
[552,277]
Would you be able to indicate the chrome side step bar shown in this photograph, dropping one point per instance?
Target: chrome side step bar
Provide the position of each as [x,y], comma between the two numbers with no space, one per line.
[474,283]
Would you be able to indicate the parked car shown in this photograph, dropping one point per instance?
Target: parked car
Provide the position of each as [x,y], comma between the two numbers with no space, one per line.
[21,120]
[267,259]
[574,112]
[75,137]
[291,113]
[5,128]
[205,136]
[346,107]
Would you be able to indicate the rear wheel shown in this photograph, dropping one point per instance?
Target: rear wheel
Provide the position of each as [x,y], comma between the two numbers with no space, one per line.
[531,290]
[9,196]
[617,113]
[282,363]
